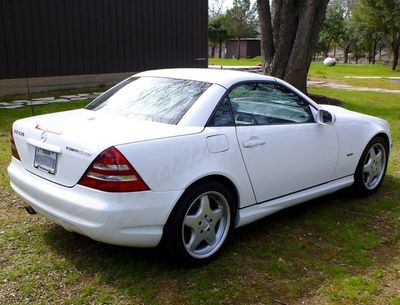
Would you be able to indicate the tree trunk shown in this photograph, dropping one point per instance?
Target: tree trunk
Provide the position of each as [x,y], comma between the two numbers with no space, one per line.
[312,16]
[374,51]
[267,39]
[238,48]
[220,49]
[395,59]
[370,56]
[295,32]
[327,48]
[284,26]
[212,51]
[395,45]
[346,54]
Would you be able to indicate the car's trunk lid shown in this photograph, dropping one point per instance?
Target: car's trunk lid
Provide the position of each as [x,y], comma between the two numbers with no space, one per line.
[61,146]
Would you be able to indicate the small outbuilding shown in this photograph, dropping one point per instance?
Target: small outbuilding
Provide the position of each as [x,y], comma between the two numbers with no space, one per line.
[249,48]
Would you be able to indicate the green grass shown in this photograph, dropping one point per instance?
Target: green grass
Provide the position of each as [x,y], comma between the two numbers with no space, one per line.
[373,83]
[235,62]
[318,71]
[351,290]
[337,74]
[395,301]
[338,249]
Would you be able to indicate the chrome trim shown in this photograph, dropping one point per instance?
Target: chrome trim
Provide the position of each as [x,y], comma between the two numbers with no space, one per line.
[111,167]
[128,178]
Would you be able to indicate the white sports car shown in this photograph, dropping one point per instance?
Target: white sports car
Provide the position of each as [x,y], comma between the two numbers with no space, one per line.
[183,156]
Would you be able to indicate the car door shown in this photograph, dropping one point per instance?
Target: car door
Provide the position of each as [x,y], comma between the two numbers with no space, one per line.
[283,148]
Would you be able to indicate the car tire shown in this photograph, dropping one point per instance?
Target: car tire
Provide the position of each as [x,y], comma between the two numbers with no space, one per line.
[371,168]
[200,224]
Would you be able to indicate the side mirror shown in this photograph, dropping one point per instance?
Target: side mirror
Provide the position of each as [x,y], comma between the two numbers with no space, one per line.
[324,117]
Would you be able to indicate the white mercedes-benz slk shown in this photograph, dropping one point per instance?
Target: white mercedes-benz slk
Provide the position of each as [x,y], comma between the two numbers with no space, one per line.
[183,156]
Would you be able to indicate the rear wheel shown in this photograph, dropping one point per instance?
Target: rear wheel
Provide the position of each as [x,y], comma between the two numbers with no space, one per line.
[200,224]
[372,166]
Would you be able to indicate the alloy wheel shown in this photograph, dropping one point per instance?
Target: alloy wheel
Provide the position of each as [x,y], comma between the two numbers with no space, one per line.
[206,224]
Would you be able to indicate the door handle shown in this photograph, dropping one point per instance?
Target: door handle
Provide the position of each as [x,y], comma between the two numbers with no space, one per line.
[252,143]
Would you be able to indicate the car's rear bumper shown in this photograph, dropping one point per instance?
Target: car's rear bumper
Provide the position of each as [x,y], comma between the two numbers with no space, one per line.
[128,219]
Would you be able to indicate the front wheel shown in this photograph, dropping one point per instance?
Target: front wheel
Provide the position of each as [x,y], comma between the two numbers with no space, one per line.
[200,224]
[372,166]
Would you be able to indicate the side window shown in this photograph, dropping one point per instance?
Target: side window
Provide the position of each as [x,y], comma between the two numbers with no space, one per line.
[263,104]
[223,115]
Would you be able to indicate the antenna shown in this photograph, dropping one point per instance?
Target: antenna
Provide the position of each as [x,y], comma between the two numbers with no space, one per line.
[29,94]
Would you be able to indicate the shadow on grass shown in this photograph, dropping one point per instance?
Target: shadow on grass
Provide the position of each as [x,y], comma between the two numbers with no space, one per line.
[285,256]
[92,255]
[81,248]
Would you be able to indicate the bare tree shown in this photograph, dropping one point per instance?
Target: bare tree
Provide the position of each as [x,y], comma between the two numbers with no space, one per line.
[215,7]
[289,34]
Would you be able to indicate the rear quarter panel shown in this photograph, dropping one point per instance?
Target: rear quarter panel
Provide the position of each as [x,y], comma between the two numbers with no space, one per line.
[175,163]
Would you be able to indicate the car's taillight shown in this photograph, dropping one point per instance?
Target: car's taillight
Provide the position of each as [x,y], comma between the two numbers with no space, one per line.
[111,172]
[14,150]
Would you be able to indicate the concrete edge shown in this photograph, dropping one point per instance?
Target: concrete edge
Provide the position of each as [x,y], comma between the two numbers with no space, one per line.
[43,84]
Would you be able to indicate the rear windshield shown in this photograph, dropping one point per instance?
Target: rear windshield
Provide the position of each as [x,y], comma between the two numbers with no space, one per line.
[163,100]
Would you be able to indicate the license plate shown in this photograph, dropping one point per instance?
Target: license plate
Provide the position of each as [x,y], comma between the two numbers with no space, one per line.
[45,160]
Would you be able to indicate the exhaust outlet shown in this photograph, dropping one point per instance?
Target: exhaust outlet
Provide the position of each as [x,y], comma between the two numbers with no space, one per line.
[30,210]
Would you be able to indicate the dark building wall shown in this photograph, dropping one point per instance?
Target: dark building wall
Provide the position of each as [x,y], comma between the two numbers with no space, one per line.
[74,37]
[253,48]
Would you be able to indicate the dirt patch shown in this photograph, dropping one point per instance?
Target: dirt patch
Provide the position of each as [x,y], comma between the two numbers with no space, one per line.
[320,99]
